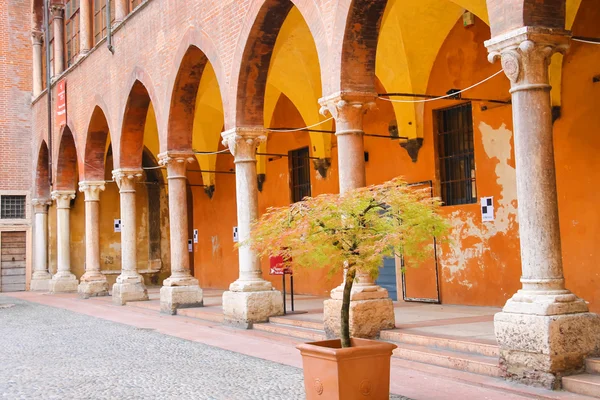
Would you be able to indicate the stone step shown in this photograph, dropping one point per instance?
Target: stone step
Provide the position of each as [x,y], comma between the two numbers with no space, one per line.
[201,313]
[466,346]
[592,366]
[469,362]
[297,322]
[585,384]
[310,334]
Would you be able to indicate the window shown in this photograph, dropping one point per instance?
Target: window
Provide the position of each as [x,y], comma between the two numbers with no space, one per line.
[456,154]
[12,207]
[100,18]
[72,30]
[299,173]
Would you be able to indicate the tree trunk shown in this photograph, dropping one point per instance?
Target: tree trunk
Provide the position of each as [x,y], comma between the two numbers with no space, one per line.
[345,317]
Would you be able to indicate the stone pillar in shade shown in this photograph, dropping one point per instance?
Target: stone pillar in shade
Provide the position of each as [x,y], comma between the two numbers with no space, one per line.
[40,279]
[93,282]
[63,281]
[130,284]
[120,10]
[181,289]
[371,309]
[58,12]
[37,41]
[86,34]
[250,298]
[544,331]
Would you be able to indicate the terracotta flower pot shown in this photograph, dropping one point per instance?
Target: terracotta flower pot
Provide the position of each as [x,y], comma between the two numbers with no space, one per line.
[358,372]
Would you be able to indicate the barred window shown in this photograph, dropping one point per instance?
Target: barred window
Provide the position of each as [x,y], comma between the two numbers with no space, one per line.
[100,18]
[299,173]
[12,207]
[72,30]
[456,154]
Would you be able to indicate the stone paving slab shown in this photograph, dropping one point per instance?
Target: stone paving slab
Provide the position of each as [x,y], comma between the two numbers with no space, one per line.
[51,353]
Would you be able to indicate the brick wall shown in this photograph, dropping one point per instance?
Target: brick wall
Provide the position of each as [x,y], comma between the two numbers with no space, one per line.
[15,95]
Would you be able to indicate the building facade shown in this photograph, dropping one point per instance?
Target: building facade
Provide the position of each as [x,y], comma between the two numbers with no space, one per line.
[177,126]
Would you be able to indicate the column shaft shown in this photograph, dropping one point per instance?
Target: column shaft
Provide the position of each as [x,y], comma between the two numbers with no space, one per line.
[63,280]
[40,277]
[85,26]
[59,38]
[36,39]
[120,10]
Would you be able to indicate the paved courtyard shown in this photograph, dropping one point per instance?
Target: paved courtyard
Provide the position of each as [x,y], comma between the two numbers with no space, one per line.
[51,353]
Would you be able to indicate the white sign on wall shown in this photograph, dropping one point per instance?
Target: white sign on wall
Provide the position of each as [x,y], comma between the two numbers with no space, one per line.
[118,225]
[236,238]
[487,209]
[195,235]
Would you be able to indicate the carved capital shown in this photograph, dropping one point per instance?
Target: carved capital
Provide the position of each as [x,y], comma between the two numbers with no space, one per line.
[37,38]
[40,206]
[176,163]
[127,178]
[525,54]
[348,109]
[92,189]
[63,198]
[243,142]
[57,10]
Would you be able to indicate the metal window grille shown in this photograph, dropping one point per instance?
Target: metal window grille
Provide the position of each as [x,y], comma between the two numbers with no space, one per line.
[72,30]
[100,18]
[12,207]
[456,154]
[300,173]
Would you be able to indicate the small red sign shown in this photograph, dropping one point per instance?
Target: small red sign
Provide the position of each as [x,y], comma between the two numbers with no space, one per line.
[61,103]
[277,266]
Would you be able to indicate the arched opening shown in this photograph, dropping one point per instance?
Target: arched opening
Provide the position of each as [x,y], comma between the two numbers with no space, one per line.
[42,175]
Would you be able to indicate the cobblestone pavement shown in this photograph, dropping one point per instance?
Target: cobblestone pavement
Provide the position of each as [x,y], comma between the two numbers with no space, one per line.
[50,353]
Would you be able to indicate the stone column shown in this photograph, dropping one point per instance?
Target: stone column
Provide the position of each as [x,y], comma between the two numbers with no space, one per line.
[120,10]
[181,289]
[37,42]
[58,11]
[63,281]
[544,330]
[40,279]
[250,298]
[86,34]
[93,282]
[371,309]
[130,284]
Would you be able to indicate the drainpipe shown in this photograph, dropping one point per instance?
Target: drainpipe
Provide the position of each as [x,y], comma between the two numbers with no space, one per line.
[109,29]
[48,87]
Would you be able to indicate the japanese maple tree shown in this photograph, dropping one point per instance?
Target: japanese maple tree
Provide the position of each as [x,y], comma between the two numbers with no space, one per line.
[353,231]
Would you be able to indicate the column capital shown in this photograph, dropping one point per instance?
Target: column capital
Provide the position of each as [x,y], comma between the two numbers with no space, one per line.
[40,206]
[525,55]
[243,142]
[37,38]
[63,198]
[127,178]
[176,163]
[92,189]
[348,108]
[57,10]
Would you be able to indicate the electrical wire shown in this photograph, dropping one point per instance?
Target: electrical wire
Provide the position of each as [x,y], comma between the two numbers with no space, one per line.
[584,41]
[208,153]
[443,97]
[301,129]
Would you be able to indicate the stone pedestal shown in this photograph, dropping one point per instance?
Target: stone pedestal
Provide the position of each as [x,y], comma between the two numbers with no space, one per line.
[181,289]
[250,298]
[63,281]
[130,284]
[93,282]
[371,310]
[544,331]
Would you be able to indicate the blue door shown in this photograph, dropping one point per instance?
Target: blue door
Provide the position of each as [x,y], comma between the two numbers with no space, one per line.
[387,277]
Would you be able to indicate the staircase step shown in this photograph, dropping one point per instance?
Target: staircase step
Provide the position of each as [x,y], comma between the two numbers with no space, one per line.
[585,384]
[201,313]
[293,331]
[297,322]
[478,347]
[475,363]
[592,366]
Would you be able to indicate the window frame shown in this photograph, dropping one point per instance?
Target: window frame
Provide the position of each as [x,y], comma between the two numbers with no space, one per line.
[17,221]
[301,189]
[72,40]
[99,19]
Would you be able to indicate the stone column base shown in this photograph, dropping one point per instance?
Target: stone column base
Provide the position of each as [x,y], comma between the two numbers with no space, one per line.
[63,284]
[174,297]
[87,289]
[40,284]
[242,309]
[539,350]
[128,291]
[367,317]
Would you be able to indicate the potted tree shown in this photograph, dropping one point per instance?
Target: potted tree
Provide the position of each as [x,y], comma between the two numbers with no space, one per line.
[351,231]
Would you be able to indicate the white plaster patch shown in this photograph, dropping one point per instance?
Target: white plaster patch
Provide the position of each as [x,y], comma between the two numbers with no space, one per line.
[496,143]
[215,245]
